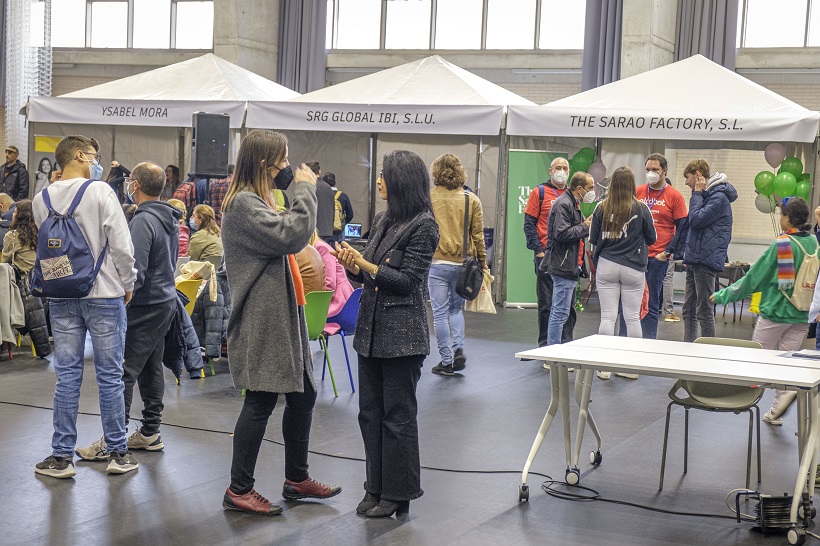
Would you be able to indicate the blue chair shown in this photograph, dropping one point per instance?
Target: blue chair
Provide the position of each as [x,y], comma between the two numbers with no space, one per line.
[346,319]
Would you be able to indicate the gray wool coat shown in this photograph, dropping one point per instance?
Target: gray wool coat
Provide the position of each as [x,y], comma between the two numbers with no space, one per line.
[267,335]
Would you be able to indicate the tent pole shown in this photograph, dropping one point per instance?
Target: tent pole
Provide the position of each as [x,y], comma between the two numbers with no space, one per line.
[479,151]
[500,232]
[374,137]
[181,152]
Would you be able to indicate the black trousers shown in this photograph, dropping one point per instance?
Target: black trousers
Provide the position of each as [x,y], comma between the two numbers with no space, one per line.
[388,420]
[250,431]
[142,362]
[543,292]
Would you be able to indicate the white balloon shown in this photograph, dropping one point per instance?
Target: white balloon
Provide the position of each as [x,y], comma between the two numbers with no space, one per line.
[597,171]
[764,204]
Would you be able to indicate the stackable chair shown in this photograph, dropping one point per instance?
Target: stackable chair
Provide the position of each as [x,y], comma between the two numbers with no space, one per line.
[346,320]
[316,307]
[190,288]
[718,398]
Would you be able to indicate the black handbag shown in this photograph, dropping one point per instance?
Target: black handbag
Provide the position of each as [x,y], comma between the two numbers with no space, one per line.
[471,277]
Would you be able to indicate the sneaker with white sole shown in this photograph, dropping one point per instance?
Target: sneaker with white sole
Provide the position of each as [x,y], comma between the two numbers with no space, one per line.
[604,375]
[627,375]
[772,420]
[98,451]
[56,467]
[672,318]
[120,463]
[149,443]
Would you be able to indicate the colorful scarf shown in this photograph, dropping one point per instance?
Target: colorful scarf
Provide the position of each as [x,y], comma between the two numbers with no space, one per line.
[785,260]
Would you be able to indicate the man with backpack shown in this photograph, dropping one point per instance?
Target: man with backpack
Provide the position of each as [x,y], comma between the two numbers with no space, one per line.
[536,216]
[342,209]
[84,299]
[154,231]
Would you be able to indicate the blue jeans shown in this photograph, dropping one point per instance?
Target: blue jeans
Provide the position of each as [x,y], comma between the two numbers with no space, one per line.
[104,319]
[655,274]
[448,319]
[563,294]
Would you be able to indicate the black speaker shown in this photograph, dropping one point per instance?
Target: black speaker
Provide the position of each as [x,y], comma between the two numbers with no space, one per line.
[209,145]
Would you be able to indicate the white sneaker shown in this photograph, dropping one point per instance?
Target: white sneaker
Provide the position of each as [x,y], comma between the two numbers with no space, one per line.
[627,375]
[121,463]
[98,451]
[774,421]
[604,375]
[148,443]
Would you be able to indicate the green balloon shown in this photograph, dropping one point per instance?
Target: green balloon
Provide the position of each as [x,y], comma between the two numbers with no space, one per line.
[805,177]
[588,208]
[784,184]
[803,190]
[587,153]
[579,163]
[764,183]
[792,165]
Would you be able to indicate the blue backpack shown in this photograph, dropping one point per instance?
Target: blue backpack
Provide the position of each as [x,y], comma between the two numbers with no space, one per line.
[65,266]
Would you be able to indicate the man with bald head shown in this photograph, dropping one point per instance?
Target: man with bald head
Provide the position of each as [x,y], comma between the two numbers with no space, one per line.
[154,231]
[536,216]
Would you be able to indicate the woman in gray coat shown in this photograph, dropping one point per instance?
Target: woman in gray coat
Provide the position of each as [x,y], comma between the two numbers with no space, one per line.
[392,338]
[267,336]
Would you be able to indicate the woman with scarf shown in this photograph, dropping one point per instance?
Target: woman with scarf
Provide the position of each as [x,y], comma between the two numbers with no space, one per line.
[267,334]
[781,326]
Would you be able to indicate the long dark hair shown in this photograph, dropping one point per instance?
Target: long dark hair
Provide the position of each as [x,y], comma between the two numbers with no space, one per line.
[797,211]
[408,186]
[23,223]
[617,205]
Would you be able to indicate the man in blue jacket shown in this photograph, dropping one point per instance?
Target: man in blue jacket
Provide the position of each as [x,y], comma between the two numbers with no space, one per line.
[710,230]
[154,231]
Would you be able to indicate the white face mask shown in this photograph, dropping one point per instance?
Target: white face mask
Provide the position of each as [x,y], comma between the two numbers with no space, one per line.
[560,177]
[652,177]
[589,197]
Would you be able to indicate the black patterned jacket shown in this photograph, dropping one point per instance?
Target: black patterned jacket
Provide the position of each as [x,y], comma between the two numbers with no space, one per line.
[392,318]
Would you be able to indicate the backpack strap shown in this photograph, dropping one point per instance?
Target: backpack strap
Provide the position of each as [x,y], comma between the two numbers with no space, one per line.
[74,204]
[336,197]
[466,222]
[795,241]
[540,197]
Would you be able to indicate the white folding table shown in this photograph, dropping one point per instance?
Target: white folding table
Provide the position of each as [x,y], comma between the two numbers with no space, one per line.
[678,360]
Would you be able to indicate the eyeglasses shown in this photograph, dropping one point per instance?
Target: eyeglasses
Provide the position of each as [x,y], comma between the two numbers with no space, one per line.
[98,157]
[12,152]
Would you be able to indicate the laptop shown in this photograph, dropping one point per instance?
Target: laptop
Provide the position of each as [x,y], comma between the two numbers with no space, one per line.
[353,231]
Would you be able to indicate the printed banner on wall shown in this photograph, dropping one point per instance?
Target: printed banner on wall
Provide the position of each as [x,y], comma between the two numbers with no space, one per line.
[526,169]
[44,162]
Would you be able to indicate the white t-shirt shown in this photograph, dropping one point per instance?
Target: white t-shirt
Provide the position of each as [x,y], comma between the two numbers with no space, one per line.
[100,218]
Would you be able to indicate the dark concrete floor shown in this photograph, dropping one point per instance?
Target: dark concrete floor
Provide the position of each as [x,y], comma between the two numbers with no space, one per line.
[481,425]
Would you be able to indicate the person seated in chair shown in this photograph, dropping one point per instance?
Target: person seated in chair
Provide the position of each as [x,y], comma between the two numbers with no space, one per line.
[335,278]
[206,242]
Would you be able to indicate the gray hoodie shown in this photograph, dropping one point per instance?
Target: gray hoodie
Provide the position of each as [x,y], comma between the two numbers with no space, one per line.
[155,233]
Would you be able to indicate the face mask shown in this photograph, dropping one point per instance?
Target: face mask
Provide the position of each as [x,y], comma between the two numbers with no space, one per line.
[560,177]
[652,177]
[96,170]
[131,193]
[283,179]
[589,197]
[192,224]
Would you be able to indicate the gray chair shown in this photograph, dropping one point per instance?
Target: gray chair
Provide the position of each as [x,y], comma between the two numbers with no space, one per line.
[718,398]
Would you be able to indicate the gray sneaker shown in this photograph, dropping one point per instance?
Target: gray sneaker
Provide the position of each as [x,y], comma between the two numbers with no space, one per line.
[98,451]
[56,467]
[148,443]
[120,463]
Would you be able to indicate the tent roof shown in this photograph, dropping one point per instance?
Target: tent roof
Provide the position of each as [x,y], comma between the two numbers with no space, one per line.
[207,77]
[429,81]
[692,99]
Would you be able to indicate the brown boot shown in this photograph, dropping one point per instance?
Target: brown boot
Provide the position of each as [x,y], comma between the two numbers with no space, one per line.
[251,502]
[309,489]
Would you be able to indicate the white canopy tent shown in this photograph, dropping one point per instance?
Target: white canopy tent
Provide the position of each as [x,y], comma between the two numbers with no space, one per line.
[145,116]
[428,106]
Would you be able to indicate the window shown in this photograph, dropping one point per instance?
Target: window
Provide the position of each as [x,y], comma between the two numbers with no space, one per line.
[37,25]
[786,23]
[455,24]
[157,24]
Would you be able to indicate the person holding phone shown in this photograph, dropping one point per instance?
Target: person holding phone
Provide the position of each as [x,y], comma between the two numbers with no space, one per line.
[392,338]
[267,334]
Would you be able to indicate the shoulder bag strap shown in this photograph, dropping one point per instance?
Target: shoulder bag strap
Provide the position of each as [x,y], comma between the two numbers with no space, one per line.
[466,222]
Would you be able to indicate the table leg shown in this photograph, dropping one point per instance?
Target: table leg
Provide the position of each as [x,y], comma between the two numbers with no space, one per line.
[802,433]
[808,457]
[552,409]
[583,389]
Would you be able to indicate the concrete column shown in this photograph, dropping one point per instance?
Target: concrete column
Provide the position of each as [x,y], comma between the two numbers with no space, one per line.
[246,33]
[648,39]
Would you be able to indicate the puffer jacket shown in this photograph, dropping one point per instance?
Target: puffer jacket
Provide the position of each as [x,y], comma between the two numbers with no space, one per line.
[36,326]
[181,343]
[710,223]
[210,319]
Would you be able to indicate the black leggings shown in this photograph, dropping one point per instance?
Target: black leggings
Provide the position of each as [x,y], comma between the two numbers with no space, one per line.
[250,431]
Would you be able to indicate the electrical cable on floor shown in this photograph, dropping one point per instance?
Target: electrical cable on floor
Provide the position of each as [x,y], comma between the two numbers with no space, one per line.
[548,486]
[729,506]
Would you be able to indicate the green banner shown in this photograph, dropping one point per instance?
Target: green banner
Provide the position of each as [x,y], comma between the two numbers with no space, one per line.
[526,169]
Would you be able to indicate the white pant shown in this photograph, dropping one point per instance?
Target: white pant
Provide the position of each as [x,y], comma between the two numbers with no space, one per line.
[617,283]
[784,337]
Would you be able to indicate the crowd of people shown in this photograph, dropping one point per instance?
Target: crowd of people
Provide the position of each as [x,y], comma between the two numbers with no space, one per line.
[274,248]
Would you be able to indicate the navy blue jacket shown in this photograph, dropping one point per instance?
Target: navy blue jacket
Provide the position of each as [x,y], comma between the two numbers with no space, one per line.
[710,224]
[155,233]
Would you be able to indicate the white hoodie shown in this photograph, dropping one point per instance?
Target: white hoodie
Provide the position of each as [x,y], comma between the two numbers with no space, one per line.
[100,218]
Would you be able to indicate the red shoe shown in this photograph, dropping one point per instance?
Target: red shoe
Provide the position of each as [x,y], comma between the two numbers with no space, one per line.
[309,489]
[251,502]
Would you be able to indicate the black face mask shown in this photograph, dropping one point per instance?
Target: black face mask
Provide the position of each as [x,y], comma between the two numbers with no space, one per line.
[283,179]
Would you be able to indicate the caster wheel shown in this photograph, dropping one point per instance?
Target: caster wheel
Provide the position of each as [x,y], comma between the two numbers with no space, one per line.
[573,476]
[595,457]
[796,535]
[524,493]
[801,512]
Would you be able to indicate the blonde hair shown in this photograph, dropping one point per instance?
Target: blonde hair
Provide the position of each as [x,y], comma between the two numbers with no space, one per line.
[208,223]
[176,203]
[259,151]
[448,172]
[313,238]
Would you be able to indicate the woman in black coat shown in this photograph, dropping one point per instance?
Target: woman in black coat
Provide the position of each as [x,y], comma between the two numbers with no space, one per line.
[392,338]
